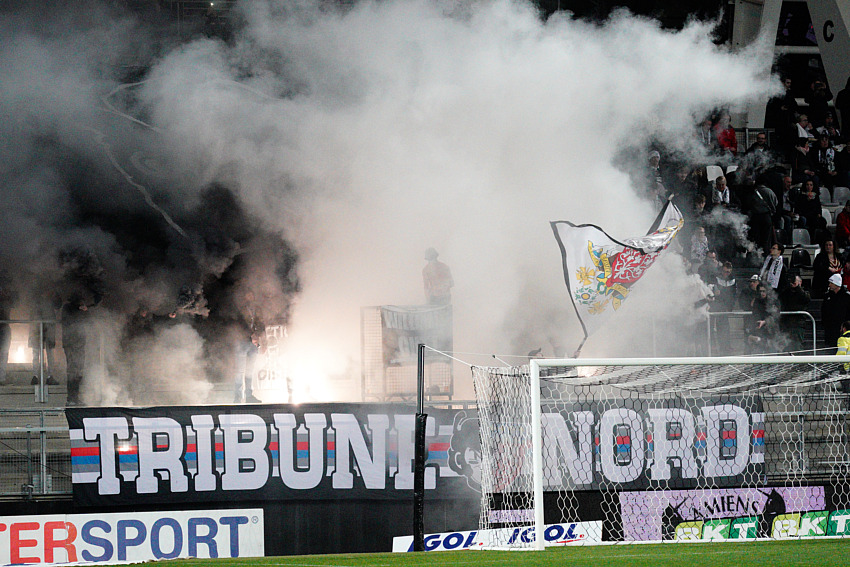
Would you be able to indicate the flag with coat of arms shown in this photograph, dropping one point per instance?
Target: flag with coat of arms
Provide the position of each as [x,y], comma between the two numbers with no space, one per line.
[600,271]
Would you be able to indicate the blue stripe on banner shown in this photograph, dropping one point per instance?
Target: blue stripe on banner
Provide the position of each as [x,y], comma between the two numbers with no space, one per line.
[128,458]
[331,453]
[729,442]
[624,448]
[219,455]
[438,455]
[300,453]
[700,444]
[758,441]
[191,456]
[90,460]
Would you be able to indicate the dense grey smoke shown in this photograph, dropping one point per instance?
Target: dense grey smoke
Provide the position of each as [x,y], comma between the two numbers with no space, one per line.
[312,156]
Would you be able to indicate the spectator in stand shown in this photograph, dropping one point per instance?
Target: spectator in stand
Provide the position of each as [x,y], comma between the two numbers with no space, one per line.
[749,293]
[760,205]
[804,128]
[705,135]
[655,189]
[725,299]
[803,164]
[724,133]
[834,311]
[683,187]
[823,157]
[780,115]
[818,99]
[794,298]
[827,263]
[760,146]
[725,289]
[773,273]
[785,209]
[710,267]
[809,207]
[694,218]
[762,327]
[699,247]
[721,196]
[842,104]
[842,227]
[830,128]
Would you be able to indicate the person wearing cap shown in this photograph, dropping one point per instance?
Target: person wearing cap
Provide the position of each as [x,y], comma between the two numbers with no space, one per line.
[437,279]
[834,311]
[749,293]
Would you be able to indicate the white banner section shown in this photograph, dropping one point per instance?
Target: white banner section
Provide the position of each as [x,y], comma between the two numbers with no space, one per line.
[130,538]
[555,534]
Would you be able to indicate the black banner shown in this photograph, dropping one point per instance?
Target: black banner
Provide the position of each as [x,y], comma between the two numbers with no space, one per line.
[155,455]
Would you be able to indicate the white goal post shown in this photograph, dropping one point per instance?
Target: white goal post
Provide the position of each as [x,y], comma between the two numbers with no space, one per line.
[660,449]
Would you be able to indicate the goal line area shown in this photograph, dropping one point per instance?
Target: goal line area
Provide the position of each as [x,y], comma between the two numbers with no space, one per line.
[635,450]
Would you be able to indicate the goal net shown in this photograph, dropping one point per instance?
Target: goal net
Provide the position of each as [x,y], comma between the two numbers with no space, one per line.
[589,451]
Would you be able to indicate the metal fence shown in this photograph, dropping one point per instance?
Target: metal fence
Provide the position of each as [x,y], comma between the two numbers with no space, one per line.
[35,453]
[726,333]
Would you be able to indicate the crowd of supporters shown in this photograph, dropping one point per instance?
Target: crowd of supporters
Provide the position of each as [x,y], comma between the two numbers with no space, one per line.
[756,214]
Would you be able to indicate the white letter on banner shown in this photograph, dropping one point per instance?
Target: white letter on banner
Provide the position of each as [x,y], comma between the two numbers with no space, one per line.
[204,452]
[405,426]
[713,415]
[148,431]
[349,435]
[557,435]
[245,439]
[664,448]
[106,429]
[315,423]
[612,470]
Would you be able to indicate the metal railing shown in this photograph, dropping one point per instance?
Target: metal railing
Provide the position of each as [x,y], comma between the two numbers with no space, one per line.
[38,351]
[35,453]
[713,315]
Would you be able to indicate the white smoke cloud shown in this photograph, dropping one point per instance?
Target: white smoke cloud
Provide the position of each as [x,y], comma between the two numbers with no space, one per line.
[369,133]
[395,126]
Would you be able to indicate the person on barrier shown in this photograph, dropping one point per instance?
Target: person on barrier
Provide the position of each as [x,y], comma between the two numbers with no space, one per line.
[794,298]
[76,314]
[42,337]
[762,325]
[725,299]
[437,279]
[834,311]
[250,330]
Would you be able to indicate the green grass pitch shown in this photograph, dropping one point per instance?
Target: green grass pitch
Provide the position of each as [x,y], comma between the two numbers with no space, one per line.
[721,554]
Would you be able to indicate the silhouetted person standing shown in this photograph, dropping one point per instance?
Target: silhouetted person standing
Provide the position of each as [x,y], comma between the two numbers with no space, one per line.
[437,279]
